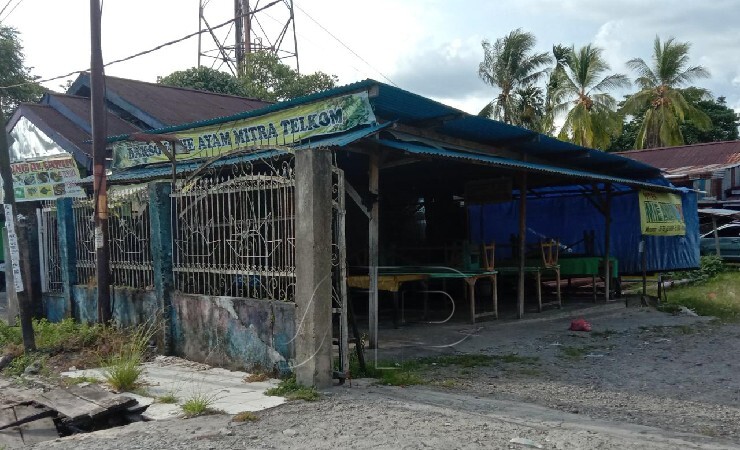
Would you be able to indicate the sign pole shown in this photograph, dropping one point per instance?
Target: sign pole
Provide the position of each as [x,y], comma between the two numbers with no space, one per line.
[13,226]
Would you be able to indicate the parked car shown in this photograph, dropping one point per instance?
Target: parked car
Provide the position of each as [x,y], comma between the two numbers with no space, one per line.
[729,242]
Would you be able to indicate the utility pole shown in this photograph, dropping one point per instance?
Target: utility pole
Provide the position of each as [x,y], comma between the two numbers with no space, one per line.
[16,244]
[97,99]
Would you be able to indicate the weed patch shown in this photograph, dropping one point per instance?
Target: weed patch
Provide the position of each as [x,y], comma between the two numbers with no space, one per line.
[245,416]
[290,389]
[606,334]
[718,297]
[256,377]
[168,398]
[574,352]
[71,381]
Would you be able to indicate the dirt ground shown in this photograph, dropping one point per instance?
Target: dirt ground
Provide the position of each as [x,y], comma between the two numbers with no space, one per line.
[640,379]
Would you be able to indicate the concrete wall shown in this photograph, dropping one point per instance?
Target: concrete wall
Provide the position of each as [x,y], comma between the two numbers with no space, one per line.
[236,333]
[130,306]
[55,307]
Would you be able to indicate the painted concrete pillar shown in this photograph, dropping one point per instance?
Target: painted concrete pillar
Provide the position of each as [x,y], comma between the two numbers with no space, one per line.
[67,253]
[160,218]
[313,268]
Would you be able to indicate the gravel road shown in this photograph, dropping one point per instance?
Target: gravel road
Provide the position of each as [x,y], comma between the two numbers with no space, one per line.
[641,379]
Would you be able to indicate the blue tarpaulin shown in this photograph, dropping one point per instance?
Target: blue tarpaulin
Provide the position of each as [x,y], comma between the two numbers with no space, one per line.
[566,218]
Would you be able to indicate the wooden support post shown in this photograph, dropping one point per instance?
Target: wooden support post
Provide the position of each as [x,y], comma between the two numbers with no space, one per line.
[607,241]
[643,250]
[374,175]
[716,236]
[522,242]
[20,260]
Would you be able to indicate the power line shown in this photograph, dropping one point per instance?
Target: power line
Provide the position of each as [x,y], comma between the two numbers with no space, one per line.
[345,45]
[5,7]
[11,11]
[128,58]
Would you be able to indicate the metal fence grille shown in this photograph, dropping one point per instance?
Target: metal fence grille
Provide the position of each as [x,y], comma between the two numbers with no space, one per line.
[49,241]
[82,210]
[234,235]
[129,235]
[128,239]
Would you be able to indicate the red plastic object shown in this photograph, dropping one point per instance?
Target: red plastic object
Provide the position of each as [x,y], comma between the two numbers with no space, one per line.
[580,325]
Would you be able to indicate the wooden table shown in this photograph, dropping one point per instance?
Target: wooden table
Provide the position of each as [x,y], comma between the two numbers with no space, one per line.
[391,279]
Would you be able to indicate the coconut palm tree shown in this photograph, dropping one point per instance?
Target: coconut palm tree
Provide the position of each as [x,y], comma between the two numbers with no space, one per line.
[510,64]
[554,93]
[591,119]
[660,95]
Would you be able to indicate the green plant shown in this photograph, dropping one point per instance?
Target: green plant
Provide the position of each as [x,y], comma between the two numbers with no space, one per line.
[290,389]
[9,335]
[123,368]
[245,416]
[168,398]
[198,404]
[19,364]
[123,372]
[709,267]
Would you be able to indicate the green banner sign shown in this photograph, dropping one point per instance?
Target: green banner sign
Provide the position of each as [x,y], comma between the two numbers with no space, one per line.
[46,180]
[661,214]
[285,127]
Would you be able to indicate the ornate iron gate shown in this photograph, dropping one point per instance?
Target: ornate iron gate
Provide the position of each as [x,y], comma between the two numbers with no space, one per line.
[51,264]
[234,234]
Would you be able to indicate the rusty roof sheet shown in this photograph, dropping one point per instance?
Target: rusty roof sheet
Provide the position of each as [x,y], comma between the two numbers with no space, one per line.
[80,106]
[174,106]
[696,156]
[60,125]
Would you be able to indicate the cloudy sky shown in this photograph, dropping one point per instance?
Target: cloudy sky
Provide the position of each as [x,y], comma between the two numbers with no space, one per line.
[431,47]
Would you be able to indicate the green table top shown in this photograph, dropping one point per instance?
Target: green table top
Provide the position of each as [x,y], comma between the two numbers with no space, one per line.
[570,266]
[434,271]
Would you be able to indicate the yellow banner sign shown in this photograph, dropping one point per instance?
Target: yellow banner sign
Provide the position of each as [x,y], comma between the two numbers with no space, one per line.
[286,127]
[46,180]
[661,214]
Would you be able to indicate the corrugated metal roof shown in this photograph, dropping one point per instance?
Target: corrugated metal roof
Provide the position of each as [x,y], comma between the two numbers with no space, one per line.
[514,164]
[342,139]
[694,156]
[395,104]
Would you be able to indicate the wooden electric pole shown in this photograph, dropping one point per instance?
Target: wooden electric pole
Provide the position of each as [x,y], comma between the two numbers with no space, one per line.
[16,244]
[97,99]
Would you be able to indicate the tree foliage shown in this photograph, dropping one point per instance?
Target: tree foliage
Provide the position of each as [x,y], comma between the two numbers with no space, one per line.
[510,65]
[725,123]
[265,78]
[205,79]
[16,82]
[590,111]
[660,95]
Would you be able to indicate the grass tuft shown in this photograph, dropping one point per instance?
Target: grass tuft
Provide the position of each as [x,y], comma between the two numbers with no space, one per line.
[123,372]
[168,398]
[290,389]
[198,404]
[245,416]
